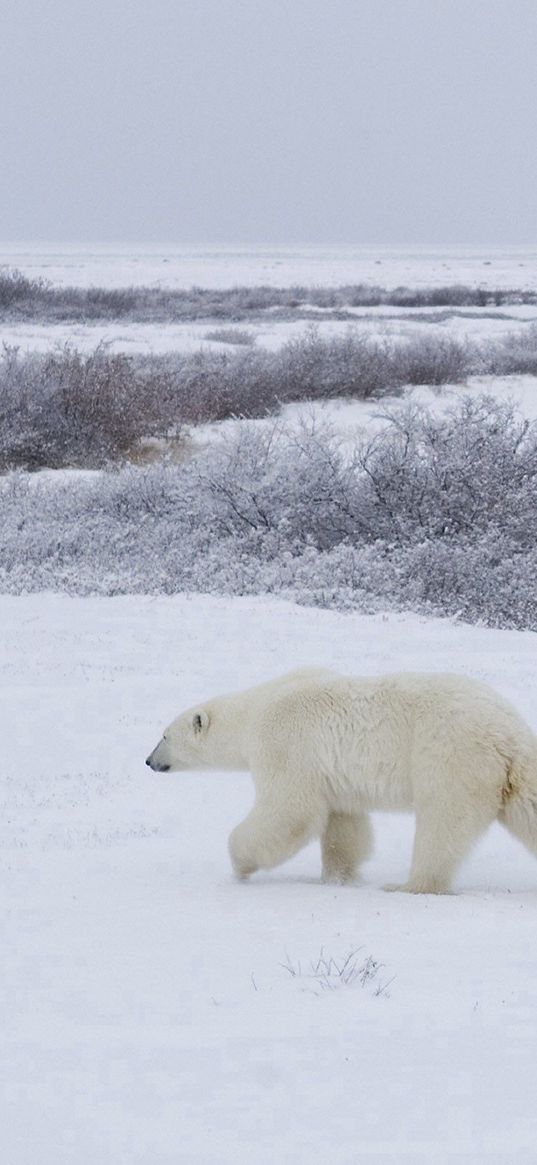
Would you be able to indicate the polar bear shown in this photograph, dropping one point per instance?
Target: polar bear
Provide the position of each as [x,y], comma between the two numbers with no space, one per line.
[325,749]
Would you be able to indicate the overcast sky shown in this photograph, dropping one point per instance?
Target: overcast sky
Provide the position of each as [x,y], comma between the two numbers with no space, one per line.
[278,121]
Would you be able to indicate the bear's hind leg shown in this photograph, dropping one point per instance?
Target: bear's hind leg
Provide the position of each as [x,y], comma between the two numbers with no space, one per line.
[444,837]
[346,842]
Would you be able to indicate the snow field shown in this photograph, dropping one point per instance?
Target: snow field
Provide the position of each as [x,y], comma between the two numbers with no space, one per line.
[159,339]
[169,265]
[147,1016]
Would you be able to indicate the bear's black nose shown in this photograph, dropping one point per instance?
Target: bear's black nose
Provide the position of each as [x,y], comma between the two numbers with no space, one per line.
[148,761]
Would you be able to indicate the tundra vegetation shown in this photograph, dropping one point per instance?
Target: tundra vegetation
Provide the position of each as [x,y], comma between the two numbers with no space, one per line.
[25,298]
[431,511]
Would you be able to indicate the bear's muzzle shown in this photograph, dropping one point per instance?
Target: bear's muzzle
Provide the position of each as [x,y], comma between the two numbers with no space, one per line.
[155,765]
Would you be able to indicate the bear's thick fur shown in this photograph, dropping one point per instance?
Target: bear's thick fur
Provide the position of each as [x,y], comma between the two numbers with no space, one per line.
[325,749]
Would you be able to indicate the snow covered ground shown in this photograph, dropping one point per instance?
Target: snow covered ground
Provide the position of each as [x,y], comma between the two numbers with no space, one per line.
[148,1014]
[472,323]
[85,265]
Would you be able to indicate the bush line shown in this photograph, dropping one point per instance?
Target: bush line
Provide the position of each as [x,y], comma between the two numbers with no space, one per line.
[65,409]
[37,299]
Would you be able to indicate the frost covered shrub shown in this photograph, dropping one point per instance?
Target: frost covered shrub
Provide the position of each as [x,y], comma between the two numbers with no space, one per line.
[357,366]
[433,360]
[210,386]
[67,409]
[517,353]
[455,475]
[431,514]
[451,295]
[353,365]
[293,485]
[488,578]
[231,336]
[110,302]
[16,288]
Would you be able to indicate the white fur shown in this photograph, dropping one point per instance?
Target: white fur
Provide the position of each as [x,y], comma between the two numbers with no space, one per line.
[325,749]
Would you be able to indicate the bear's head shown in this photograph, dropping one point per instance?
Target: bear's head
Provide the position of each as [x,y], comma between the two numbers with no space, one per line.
[201,738]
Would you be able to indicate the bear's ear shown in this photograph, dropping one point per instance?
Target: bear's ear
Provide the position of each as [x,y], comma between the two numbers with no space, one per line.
[200,722]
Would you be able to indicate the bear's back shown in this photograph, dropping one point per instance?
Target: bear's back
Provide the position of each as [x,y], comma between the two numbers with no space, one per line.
[325,713]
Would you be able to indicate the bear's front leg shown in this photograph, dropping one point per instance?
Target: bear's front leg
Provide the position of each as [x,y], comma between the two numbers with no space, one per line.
[240,853]
[266,838]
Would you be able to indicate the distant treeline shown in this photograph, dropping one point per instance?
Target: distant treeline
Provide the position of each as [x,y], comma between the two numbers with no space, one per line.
[36,299]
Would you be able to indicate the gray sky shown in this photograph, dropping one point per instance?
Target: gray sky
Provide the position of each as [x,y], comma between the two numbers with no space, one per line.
[279,121]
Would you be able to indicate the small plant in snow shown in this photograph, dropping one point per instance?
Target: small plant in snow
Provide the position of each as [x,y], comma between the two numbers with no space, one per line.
[326,973]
